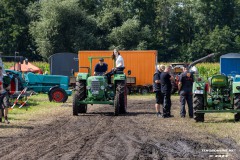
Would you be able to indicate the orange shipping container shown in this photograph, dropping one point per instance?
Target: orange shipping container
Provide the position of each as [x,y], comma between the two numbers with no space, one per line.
[142,63]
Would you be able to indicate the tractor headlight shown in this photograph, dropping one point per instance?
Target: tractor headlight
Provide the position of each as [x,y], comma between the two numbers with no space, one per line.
[238,87]
[102,87]
[88,87]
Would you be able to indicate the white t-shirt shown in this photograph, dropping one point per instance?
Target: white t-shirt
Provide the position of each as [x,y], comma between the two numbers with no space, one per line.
[119,61]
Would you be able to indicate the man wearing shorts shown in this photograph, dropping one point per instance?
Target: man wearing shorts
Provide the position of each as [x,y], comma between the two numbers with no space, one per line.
[157,88]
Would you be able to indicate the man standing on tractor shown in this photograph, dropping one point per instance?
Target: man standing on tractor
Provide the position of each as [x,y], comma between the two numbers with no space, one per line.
[100,68]
[166,88]
[157,88]
[119,64]
[185,87]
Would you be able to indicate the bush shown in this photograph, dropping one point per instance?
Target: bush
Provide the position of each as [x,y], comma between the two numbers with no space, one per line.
[43,65]
[208,69]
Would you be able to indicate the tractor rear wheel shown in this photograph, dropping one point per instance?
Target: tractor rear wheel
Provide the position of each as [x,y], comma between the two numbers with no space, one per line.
[75,105]
[58,95]
[116,104]
[120,98]
[237,106]
[198,104]
[80,95]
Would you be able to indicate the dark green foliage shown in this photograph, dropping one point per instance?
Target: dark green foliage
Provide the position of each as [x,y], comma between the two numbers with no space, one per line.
[14,28]
[180,30]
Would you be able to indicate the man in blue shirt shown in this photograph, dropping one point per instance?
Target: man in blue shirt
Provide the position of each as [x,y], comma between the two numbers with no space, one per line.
[100,68]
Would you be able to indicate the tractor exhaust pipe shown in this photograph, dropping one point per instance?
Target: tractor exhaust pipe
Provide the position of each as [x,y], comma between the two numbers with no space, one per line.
[200,60]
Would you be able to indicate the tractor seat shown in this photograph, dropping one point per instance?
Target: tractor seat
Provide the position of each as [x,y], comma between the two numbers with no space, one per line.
[120,70]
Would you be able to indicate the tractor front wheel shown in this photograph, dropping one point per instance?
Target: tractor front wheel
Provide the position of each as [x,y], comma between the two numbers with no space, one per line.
[116,105]
[75,105]
[80,95]
[58,95]
[120,98]
[237,106]
[198,104]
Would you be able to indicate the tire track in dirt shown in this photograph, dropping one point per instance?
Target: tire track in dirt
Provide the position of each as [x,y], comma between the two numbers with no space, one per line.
[112,144]
[87,140]
[32,139]
[100,135]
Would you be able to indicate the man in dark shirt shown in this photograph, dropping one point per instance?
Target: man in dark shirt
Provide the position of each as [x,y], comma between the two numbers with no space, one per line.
[185,88]
[166,88]
[157,88]
[101,67]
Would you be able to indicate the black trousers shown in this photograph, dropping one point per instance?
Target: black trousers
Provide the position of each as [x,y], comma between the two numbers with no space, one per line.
[167,104]
[109,74]
[186,96]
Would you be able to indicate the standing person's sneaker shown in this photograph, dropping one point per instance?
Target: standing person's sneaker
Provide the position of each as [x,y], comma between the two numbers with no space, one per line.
[182,116]
[190,116]
[6,120]
[159,114]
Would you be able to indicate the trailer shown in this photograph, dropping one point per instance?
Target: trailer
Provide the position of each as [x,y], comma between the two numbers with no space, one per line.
[230,64]
[141,64]
[70,61]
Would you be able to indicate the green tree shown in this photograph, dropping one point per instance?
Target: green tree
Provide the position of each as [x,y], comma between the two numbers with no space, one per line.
[222,40]
[14,22]
[130,35]
[67,28]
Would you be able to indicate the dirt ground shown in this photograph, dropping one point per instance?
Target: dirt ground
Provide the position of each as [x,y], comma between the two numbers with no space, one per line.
[140,134]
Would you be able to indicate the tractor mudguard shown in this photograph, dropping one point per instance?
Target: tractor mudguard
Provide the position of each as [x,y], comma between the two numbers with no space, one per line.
[199,88]
[57,94]
[52,89]
[236,87]
[119,77]
[82,76]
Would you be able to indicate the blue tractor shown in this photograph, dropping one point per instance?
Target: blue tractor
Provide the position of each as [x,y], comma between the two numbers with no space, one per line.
[56,86]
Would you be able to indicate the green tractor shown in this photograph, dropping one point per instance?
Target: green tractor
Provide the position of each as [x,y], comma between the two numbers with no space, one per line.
[220,94]
[96,90]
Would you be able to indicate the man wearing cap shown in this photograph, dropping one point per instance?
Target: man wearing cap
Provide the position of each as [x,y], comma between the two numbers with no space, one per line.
[185,88]
[100,68]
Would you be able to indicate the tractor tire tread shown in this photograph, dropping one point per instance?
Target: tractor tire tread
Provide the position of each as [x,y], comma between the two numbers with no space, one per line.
[198,105]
